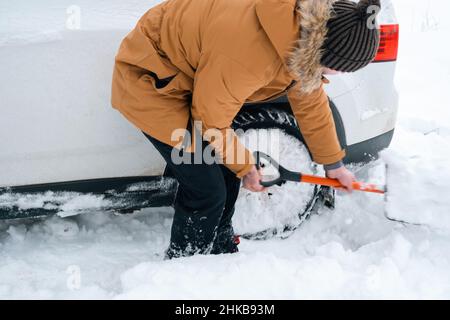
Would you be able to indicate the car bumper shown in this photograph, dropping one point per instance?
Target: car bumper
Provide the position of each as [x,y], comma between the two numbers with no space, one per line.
[368,150]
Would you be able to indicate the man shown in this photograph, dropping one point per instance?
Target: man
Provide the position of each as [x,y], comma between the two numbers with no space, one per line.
[202,60]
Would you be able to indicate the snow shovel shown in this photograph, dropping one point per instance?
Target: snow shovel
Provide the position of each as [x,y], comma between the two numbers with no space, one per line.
[275,174]
[397,207]
[278,175]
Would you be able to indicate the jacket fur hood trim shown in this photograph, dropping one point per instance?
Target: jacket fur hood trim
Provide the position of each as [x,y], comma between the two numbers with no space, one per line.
[304,60]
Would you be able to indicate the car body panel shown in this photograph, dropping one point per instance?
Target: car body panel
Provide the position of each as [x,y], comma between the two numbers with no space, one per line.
[54,130]
[369,108]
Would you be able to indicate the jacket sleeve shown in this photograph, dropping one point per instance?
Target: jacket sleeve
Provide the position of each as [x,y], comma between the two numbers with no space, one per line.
[316,123]
[221,86]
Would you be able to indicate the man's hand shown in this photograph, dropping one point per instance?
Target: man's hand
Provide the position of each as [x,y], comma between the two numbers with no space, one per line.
[251,181]
[344,176]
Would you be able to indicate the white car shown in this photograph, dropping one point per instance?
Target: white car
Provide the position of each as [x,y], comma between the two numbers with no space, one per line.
[65,151]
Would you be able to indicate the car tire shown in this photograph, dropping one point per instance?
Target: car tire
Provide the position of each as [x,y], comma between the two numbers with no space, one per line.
[281,209]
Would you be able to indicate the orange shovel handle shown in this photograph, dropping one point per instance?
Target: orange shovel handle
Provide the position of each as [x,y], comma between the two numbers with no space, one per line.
[360,186]
[287,175]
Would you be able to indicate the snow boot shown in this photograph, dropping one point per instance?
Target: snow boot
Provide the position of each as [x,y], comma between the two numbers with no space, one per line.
[226,241]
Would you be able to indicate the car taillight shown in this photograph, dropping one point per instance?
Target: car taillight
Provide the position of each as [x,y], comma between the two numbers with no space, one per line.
[389,34]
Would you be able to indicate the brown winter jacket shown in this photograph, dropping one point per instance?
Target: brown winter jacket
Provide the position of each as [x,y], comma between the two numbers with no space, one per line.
[218,54]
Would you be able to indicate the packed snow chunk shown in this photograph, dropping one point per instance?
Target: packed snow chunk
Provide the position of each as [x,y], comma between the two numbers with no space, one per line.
[82,202]
[61,228]
[17,233]
[68,203]
[416,188]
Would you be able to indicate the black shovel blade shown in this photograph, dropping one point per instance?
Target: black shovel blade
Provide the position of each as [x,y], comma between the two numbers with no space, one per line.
[272,172]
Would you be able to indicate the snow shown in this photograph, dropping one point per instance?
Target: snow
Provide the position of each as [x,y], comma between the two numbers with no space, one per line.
[418,158]
[23,18]
[415,180]
[351,252]
[254,212]
[66,201]
[57,77]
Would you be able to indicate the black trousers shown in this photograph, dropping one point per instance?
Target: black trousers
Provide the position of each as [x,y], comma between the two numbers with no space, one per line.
[204,206]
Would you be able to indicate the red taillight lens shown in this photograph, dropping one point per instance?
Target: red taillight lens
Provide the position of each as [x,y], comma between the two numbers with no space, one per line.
[388,43]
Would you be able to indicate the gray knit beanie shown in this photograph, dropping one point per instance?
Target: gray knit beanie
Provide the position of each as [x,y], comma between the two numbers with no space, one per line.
[352,38]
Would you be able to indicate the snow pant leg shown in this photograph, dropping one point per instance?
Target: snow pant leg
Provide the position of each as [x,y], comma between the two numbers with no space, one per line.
[201,199]
[224,242]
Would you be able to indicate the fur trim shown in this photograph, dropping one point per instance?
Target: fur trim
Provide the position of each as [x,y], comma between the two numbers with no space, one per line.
[304,61]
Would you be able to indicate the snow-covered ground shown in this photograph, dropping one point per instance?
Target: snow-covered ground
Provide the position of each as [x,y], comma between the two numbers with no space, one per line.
[352,252]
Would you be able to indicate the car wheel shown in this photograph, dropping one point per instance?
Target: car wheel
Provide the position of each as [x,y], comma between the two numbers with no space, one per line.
[281,208]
